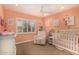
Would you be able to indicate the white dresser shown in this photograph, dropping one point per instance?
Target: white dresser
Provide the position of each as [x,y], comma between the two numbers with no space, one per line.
[7,45]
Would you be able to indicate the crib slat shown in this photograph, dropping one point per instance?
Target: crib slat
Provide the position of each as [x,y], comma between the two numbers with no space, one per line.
[69,41]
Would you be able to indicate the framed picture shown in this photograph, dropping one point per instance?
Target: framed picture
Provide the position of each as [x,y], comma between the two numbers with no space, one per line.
[70,20]
[55,22]
[10,21]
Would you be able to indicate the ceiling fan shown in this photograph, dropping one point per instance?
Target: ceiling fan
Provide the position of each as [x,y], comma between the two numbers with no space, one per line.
[45,9]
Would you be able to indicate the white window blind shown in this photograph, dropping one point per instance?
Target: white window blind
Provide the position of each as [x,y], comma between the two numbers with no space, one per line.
[24,26]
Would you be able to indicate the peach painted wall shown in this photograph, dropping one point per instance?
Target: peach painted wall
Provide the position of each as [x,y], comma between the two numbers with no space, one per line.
[1,16]
[1,12]
[14,15]
[48,22]
[61,15]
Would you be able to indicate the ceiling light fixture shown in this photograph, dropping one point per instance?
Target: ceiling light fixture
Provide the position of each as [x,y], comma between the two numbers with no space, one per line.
[43,10]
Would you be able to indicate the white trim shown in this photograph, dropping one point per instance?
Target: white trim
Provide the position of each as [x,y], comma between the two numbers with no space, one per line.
[24,41]
[25,33]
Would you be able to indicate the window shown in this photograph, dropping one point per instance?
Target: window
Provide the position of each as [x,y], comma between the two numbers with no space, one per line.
[24,26]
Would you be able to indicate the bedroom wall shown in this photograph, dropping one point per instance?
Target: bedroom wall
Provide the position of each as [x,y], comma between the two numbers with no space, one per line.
[48,22]
[14,15]
[1,16]
[61,16]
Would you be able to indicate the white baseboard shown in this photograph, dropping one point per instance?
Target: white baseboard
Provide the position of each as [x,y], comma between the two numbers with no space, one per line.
[24,41]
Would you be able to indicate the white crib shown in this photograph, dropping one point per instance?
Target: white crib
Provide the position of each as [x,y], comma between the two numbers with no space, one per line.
[67,40]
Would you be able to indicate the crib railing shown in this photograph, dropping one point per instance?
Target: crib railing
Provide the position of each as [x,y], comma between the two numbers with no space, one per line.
[69,42]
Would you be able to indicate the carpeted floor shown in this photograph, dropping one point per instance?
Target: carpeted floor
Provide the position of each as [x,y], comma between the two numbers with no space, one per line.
[31,49]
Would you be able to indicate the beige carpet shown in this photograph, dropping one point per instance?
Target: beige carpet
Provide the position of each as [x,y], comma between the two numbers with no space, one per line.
[31,49]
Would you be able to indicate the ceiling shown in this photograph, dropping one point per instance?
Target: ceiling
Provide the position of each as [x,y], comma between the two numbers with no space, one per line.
[35,9]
